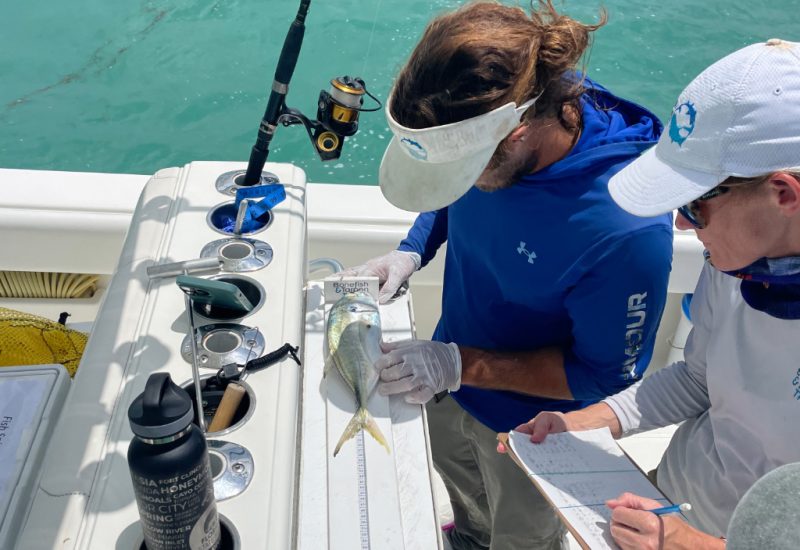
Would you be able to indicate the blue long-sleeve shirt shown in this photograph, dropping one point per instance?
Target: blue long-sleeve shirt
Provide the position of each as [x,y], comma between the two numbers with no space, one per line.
[553,261]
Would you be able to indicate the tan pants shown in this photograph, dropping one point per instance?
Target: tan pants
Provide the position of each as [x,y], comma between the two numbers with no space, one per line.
[495,505]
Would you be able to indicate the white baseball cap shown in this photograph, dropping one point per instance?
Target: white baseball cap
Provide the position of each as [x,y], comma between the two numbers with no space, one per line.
[426,169]
[740,117]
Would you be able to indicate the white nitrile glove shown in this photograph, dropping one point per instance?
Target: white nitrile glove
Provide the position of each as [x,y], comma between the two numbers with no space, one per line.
[392,270]
[418,369]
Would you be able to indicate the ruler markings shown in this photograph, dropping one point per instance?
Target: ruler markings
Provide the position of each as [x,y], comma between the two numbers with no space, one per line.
[363,502]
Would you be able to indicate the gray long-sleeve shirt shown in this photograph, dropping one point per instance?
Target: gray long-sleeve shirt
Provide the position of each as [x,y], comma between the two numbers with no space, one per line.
[738,391]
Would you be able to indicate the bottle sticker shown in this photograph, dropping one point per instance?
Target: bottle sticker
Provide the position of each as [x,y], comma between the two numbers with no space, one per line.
[171,508]
[206,533]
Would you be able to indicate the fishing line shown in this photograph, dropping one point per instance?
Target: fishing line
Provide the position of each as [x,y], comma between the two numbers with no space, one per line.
[371,35]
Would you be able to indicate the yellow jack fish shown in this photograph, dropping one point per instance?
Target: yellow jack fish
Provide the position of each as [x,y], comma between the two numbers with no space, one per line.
[353,335]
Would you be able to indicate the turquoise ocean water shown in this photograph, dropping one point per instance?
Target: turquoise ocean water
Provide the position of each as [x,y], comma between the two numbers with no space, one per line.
[93,85]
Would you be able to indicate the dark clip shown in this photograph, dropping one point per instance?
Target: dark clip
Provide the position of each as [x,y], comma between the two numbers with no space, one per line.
[233,371]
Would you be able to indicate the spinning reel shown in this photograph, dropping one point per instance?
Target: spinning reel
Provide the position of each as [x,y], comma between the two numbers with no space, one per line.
[337,109]
[337,115]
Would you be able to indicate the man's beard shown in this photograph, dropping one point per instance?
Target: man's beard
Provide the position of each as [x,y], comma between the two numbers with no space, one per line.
[502,173]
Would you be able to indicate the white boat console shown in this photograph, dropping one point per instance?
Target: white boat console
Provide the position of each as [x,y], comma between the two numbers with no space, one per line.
[84,498]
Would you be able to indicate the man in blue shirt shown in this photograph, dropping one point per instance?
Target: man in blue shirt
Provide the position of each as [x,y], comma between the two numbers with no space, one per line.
[552,294]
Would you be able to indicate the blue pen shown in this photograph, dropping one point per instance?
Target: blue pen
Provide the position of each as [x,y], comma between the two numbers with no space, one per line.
[685,507]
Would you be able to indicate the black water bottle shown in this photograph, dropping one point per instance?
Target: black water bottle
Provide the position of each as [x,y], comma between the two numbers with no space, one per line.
[171,473]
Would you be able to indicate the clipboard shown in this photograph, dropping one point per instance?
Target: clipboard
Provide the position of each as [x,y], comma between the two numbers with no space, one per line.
[573,517]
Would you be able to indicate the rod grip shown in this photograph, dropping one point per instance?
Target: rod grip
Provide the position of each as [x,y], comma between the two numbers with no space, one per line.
[227,407]
[290,52]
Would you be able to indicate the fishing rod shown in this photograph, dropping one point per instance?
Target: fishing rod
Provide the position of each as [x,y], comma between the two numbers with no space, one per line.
[337,109]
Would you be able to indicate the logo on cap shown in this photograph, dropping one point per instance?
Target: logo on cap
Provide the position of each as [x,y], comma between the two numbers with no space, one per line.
[415,149]
[681,125]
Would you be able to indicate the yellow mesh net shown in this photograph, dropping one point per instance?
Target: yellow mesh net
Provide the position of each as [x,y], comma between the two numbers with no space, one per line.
[27,339]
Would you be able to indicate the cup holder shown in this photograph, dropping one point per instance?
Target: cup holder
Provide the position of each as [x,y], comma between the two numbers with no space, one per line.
[252,290]
[222,219]
[229,536]
[239,255]
[211,392]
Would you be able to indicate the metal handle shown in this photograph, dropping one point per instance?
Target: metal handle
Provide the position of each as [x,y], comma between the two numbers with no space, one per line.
[173,269]
[240,215]
[198,394]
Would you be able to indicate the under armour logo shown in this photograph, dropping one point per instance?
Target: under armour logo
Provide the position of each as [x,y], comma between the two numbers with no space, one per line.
[521,250]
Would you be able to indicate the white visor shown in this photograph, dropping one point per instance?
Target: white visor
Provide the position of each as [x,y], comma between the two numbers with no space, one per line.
[429,168]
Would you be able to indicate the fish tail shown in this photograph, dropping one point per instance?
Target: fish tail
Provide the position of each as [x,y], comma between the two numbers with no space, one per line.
[361,420]
[374,430]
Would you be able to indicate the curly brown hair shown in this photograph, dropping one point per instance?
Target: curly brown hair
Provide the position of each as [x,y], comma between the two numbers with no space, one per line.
[484,55]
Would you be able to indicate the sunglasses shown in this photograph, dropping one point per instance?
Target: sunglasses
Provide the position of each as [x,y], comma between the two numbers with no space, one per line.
[692,212]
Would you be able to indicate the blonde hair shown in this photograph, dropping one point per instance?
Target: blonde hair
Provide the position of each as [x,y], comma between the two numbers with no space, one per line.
[735,182]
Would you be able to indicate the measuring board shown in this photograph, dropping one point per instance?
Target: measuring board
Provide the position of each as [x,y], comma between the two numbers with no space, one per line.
[364,498]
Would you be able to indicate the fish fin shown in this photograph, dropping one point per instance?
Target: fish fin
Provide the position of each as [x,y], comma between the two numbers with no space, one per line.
[329,364]
[375,431]
[361,420]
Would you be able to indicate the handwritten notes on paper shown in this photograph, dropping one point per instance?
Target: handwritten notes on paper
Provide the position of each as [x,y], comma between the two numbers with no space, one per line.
[578,472]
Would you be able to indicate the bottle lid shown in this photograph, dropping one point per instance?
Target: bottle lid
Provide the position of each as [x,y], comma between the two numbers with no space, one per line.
[162,410]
